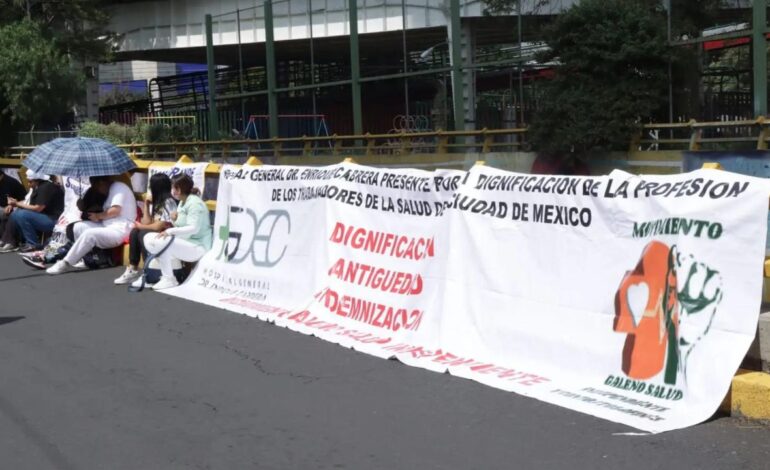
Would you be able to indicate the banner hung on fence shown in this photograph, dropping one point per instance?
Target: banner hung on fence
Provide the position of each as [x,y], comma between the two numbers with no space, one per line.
[629,298]
[196,171]
[74,189]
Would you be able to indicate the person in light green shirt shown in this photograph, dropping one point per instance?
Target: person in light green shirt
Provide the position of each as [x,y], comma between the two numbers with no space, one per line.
[192,232]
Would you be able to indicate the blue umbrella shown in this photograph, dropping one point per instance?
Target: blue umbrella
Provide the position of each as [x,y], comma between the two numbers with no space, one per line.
[78,157]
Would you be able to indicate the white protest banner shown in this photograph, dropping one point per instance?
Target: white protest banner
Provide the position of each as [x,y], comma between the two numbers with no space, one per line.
[13,173]
[636,297]
[196,171]
[272,249]
[629,298]
[74,189]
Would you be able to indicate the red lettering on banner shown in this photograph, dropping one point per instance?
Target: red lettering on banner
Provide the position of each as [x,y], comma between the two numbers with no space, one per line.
[300,317]
[418,352]
[491,370]
[443,357]
[453,361]
[401,347]
[256,306]
[372,313]
[383,243]
[460,362]
[535,379]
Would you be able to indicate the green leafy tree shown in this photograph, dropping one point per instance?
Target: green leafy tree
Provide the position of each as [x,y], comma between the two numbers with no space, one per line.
[613,73]
[37,83]
[44,46]
[77,27]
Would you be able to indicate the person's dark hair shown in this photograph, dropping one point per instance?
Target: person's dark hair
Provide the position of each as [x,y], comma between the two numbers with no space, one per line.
[98,179]
[160,187]
[183,183]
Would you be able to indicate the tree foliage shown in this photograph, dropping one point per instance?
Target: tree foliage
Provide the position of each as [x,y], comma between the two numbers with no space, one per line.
[77,27]
[613,73]
[44,46]
[36,79]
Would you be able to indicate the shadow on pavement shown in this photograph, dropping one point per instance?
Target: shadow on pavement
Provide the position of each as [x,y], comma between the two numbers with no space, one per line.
[26,276]
[4,320]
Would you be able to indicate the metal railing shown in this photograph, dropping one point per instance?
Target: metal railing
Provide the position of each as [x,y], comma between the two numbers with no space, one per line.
[713,135]
[691,135]
[396,144]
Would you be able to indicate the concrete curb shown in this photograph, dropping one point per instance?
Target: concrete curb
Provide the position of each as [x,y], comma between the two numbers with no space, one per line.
[749,395]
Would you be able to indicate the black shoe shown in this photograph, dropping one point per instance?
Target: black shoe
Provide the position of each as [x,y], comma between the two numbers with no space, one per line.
[28,247]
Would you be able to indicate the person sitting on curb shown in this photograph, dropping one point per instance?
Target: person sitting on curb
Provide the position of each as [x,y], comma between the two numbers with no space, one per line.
[13,188]
[157,216]
[39,215]
[192,230]
[105,229]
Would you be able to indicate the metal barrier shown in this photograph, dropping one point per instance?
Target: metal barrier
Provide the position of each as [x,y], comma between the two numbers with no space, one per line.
[407,143]
[691,135]
[694,135]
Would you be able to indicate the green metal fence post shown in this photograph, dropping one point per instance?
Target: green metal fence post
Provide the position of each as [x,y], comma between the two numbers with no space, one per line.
[272,98]
[355,71]
[759,53]
[457,69]
[213,128]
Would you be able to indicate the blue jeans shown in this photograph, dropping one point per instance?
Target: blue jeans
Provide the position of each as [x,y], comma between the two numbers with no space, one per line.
[30,223]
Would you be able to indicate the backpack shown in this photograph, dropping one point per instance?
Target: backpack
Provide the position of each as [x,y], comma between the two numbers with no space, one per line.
[99,258]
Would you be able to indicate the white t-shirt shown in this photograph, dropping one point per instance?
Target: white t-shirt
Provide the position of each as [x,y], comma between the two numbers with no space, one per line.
[121,195]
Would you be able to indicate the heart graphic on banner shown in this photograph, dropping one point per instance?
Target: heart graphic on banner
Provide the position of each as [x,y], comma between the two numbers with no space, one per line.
[637,295]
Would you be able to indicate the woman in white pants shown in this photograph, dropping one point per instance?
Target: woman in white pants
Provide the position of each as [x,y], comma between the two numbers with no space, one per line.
[106,229]
[192,232]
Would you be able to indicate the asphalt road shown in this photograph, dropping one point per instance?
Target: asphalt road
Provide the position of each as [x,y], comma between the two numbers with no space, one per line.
[93,377]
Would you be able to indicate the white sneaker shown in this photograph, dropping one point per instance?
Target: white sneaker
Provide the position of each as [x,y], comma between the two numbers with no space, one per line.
[8,248]
[128,276]
[80,266]
[138,283]
[165,283]
[60,267]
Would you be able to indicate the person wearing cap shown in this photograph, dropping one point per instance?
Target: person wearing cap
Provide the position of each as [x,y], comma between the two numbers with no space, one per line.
[9,187]
[39,215]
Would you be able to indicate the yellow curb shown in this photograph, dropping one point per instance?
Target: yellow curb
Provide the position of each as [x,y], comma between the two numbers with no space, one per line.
[749,395]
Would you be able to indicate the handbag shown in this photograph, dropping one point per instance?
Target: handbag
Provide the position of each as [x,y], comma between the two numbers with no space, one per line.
[148,262]
[152,271]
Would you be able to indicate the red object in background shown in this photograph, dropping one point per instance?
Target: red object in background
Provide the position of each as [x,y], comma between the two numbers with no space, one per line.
[551,165]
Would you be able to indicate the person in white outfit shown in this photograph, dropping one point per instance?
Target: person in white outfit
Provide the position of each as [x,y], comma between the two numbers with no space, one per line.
[192,232]
[107,229]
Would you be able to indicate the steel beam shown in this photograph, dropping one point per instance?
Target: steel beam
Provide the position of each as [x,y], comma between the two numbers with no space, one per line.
[355,69]
[759,56]
[272,96]
[457,66]
[213,131]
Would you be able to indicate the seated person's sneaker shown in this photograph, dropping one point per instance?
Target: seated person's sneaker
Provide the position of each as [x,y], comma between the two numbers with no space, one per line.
[80,265]
[128,276]
[28,247]
[8,248]
[165,283]
[61,267]
[137,284]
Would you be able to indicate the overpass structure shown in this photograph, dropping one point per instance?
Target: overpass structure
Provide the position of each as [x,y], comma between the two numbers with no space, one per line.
[426,58]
